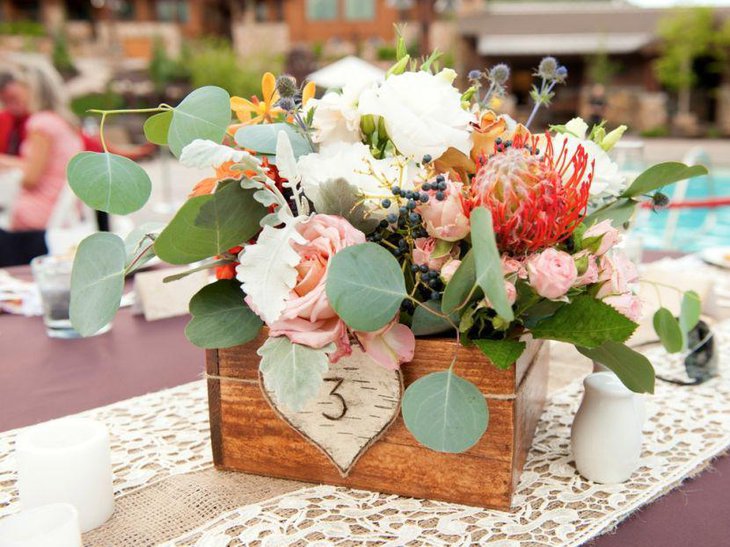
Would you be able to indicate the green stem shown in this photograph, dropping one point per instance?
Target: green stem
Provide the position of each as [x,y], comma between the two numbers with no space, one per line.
[161,108]
[101,133]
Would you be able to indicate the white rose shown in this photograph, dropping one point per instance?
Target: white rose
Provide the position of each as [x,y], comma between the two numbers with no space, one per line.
[336,117]
[422,113]
[607,178]
[353,163]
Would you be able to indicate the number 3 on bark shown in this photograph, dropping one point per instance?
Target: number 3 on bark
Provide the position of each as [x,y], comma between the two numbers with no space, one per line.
[333,392]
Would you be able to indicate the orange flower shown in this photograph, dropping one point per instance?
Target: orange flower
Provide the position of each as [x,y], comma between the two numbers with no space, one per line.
[222,172]
[257,110]
[308,92]
[492,127]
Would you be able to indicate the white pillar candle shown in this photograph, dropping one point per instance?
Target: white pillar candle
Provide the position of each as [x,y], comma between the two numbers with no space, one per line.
[53,525]
[68,461]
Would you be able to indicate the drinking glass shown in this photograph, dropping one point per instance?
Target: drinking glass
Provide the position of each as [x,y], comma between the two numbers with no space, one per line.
[52,275]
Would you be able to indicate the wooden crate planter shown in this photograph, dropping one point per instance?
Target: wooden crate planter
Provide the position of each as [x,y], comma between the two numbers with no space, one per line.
[249,436]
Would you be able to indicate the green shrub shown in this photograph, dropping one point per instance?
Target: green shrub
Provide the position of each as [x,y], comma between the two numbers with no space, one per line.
[164,70]
[22,28]
[61,57]
[213,62]
[106,101]
[659,131]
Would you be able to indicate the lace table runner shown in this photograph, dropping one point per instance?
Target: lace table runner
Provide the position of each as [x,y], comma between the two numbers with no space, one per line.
[160,442]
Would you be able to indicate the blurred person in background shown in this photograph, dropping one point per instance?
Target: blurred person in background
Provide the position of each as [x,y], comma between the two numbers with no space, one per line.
[38,137]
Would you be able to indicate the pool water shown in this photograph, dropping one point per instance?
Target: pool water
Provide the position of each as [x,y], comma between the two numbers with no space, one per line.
[697,229]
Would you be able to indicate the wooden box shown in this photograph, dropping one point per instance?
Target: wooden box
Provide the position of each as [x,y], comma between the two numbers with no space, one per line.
[249,436]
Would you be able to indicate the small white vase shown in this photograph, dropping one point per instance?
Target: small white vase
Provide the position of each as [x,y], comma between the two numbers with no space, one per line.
[606,434]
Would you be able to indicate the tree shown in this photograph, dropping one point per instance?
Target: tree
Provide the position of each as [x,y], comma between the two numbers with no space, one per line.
[686,33]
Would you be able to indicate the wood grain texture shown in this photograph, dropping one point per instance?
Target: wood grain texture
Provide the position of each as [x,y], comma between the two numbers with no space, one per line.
[254,439]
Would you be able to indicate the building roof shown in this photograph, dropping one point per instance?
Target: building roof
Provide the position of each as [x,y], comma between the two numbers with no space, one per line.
[563,28]
[345,70]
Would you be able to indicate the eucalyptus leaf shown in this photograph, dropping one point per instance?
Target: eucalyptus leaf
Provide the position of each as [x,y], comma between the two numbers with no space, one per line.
[97,282]
[365,286]
[690,311]
[662,174]
[619,213]
[426,323]
[221,318]
[460,285]
[585,322]
[294,372]
[209,225]
[204,114]
[138,244]
[502,353]
[669,330]
[262,139]
[339,197]
[631,367]
[490,276]
[444,412]
[108,182]
[157,126]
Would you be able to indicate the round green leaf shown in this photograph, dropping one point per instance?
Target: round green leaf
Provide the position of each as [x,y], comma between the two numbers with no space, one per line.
[460,285]
[690,311]
[204,114]
[365,286]
[108,182]
[426,323]
[221,319]
[445,412]
[668,329]
[262,138]
[157,126]
[208,225]
[97,282]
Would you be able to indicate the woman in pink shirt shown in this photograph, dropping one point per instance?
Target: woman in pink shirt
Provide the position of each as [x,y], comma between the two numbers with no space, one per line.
[50,141]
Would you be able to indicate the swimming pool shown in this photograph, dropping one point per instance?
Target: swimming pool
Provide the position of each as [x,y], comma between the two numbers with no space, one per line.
[696,229]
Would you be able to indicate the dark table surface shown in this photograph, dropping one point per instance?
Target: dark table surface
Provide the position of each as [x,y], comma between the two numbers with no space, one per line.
[43,378]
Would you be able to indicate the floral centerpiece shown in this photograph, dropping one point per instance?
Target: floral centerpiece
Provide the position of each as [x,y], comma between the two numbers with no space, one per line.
[381,212]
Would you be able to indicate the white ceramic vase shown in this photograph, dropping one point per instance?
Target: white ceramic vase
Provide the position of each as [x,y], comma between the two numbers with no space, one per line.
[606,434]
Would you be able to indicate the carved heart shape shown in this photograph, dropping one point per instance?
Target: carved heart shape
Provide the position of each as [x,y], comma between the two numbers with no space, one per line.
[356,404]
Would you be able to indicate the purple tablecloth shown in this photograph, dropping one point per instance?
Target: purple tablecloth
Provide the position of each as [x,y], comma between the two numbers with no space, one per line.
[42,378]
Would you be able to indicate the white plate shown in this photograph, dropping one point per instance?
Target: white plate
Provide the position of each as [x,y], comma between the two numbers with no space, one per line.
[717,256]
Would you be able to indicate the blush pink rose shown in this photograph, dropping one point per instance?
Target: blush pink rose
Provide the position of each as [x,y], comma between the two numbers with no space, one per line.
[552,273]
[308,318]
[446,219]
[511,291]
[589,276]
[423,254]
[608,234]
[390,346]
[616,273]
[513,266]
[449,269]
[626,304]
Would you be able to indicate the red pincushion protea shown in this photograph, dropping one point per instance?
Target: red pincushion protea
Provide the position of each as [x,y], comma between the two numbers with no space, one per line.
[536,201]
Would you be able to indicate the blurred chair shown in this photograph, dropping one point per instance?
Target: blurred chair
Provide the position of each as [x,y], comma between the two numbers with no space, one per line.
[70,222]
[10,182]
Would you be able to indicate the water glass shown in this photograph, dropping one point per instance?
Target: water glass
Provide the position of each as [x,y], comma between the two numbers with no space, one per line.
[52,275]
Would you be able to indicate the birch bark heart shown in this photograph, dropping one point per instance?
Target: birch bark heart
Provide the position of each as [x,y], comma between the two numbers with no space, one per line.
[356,404]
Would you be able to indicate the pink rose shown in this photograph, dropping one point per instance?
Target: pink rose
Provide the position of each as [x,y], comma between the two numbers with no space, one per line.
[590,275]
[616,273]
[626,304]
[513,266]
[449,269]
[308,318]
[552,273]
[511,291]
[446,219]
[390,346]
[608,234]
[423,253]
